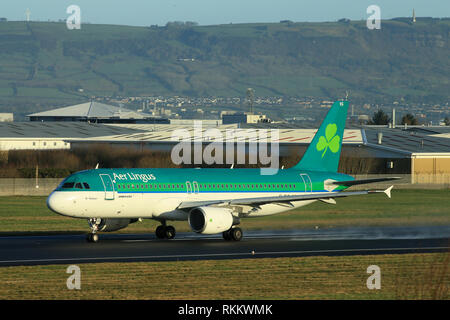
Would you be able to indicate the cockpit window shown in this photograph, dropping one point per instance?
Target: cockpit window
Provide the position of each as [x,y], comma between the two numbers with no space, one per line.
[78,186]
[68,185]
[86,185]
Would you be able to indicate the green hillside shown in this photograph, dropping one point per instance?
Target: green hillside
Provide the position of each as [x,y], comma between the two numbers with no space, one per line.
[44,64]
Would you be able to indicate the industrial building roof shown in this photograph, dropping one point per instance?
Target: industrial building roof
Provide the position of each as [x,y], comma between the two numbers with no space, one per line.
[396,140]
[163,133]
[406,141]
[59,130]
[428,129]
[153,132]
[92,110]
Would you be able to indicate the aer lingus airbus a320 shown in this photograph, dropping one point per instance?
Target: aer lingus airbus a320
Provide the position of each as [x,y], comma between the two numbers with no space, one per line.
[211,200]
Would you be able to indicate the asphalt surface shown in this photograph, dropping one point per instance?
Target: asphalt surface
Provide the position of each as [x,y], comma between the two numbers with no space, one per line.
[73,249]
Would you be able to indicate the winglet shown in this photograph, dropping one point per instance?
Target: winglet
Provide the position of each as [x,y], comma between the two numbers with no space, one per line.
[388,191]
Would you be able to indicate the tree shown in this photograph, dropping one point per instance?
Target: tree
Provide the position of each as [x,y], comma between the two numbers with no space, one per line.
[409,119]
[380,118]
[447,121]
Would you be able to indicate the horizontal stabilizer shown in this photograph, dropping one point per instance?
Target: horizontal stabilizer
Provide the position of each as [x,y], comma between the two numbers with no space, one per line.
[364,181]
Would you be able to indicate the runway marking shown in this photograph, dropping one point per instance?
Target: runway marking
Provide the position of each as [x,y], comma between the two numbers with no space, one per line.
[222,254]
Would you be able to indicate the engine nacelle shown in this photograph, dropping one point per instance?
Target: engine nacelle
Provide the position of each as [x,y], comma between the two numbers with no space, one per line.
[108,225]
[210,220]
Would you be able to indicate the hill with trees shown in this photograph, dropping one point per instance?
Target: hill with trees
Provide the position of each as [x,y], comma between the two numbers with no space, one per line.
[45,64]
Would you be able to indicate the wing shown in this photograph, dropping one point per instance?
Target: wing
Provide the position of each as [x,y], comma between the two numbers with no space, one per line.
[282,200]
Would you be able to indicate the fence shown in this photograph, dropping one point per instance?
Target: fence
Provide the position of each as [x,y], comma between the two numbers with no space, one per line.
[28,187]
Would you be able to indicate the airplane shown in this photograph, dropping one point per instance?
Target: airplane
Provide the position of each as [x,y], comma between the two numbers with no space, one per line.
[211,200]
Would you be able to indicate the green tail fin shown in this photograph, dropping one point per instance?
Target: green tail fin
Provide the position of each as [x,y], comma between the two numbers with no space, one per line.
[325,149]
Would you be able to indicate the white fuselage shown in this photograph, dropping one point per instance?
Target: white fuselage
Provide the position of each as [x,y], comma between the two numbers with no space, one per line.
[160,206]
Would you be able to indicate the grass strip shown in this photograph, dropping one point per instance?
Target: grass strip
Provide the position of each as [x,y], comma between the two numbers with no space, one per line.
[403,276]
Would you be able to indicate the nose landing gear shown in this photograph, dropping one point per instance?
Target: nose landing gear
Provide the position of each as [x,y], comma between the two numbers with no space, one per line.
[92,237]
[94,224]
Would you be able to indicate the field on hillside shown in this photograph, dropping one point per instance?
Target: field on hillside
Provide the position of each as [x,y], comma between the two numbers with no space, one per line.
[43,64]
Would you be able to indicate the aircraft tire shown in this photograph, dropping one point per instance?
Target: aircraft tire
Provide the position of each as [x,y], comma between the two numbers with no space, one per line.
[160,232]
[236,234]
[169,232]
[92,237]
[226,235]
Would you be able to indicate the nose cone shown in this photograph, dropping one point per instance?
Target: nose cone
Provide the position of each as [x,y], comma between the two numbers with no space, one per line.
[56,202]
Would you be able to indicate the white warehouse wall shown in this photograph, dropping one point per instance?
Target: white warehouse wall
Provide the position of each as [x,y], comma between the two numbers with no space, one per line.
[33,144]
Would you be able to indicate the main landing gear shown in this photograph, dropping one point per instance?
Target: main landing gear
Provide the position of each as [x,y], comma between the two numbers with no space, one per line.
[165,232]
[234,234]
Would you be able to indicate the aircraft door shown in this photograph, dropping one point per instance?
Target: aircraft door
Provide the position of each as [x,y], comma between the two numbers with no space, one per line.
[108,185]
[195,187]
[188,187]
[307,181]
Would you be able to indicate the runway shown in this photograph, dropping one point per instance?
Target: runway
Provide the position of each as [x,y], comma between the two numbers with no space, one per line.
[73,249]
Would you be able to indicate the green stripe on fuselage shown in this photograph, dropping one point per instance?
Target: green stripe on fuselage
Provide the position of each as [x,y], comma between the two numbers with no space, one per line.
[208,180]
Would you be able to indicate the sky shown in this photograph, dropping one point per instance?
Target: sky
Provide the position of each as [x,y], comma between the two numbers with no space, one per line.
[209,12]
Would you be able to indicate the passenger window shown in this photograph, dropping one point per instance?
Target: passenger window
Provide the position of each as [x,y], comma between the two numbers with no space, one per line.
[78,185]
[86,185]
